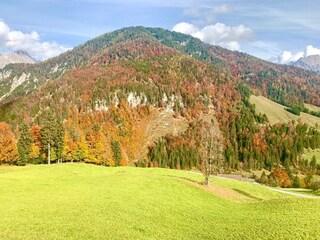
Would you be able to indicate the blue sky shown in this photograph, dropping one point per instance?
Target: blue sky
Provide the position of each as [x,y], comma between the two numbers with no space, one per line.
[279,30]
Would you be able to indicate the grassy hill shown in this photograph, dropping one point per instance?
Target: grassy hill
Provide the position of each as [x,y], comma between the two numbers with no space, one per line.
[276,113]
[309,153]
[312,107]
[78,201]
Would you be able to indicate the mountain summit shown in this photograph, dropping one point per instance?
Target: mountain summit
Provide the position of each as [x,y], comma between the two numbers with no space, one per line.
[267,78]
[310,63]
[19,56]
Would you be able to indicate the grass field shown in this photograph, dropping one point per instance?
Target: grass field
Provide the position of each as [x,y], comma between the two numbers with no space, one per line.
[312,107]
[308,154]
[78,201]
[276,112]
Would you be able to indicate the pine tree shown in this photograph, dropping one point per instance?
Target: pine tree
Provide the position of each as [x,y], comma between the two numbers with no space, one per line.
[313,163]
[264,178]
[116,150]
[52,135]
[24,145]
[296,182]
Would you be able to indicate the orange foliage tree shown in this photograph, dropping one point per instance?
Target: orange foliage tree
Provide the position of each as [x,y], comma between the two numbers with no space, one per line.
[8,145]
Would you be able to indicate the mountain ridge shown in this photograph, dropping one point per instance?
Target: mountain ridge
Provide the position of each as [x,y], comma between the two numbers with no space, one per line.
[249,69]
[19,56]
[311,63]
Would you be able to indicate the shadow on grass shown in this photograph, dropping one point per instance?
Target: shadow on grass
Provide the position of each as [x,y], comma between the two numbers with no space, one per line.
[186,179]
[246,194]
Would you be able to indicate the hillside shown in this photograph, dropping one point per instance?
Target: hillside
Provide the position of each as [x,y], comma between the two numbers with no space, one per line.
[146,97]
[276,113]
[286,84]
[68,201]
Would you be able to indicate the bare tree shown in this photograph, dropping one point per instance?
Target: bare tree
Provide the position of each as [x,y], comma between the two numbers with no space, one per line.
[211,150]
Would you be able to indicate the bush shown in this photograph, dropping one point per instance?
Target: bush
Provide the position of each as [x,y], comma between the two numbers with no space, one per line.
[282,178]
[296,182]
[315,185]
[141,163]
[272,181]
[264,179]
[308,180]
[293,111]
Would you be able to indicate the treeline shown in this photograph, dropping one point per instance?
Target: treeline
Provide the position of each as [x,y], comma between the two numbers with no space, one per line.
[65,140]
[250,143]
[287,179]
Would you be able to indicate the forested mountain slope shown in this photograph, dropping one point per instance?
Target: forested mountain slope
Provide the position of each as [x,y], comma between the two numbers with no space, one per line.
[144,96]
[285,84]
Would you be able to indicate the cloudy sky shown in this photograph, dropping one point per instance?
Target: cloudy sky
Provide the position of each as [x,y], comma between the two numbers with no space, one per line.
[281,31]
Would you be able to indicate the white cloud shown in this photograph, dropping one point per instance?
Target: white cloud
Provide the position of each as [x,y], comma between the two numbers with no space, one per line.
[221,9]
[11,40]
[186,28]
[310,50]
[218,34]
[287,56]
[206,15]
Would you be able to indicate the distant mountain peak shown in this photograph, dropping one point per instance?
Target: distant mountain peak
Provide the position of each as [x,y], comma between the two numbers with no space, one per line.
[19,56]
[22,52]
[310,63]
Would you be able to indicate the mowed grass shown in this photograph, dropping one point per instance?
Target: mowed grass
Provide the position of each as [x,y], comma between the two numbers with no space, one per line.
[309,153]
[276,113]
[78,201]
[312,107]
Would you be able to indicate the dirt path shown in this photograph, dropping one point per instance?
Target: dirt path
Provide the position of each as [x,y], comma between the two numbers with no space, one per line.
[291,193]
[271,188]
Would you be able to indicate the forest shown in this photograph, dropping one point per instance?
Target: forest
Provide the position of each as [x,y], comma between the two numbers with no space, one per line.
[98,111]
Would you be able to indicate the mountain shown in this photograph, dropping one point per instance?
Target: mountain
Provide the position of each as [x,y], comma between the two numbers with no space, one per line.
[148,97]
[310,63]
[19,56]
[284,84]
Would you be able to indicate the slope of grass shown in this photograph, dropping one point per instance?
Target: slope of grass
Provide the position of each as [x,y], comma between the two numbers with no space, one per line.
[77,201]
[312,107]
[308,154]
[276,113]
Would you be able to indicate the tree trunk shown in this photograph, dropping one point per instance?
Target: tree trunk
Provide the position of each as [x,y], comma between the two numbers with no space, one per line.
[49,160]
[206,181]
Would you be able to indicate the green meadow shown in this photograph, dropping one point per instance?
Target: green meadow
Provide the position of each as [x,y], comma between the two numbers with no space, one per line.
[78,201]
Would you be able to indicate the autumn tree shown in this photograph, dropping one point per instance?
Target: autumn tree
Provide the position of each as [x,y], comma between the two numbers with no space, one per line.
[24,145]
[8,145]
[211,150]
[35,144]
[69,149]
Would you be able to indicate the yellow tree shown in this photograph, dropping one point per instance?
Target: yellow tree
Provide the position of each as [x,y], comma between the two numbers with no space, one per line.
[69,149]
[36,143]
[8,145]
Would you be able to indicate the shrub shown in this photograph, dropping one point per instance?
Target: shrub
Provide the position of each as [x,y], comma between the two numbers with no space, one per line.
[282,178]
[272,181]
[264,179]
[296,182]
[315,185]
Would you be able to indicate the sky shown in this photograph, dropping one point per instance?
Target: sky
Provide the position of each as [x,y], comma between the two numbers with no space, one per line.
[279,31]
